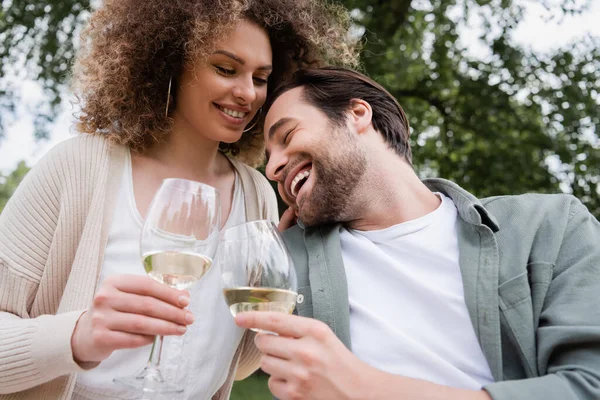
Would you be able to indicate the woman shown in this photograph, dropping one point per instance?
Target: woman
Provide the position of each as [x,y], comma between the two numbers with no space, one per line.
[167,89]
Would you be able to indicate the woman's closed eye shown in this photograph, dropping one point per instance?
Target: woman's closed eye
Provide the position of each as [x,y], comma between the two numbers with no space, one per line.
[260,81]
[225,71]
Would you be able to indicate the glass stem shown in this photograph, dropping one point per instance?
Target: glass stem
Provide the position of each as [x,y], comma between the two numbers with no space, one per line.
[155,353]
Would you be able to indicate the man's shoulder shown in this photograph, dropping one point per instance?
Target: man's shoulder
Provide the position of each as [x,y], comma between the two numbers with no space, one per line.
[532,227]
[501,207]
[523,205]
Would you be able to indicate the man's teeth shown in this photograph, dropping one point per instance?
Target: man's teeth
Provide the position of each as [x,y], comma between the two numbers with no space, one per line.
[297,180]
[233,113]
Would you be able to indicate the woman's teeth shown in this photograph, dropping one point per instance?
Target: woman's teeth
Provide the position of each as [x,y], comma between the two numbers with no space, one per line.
[233,113]
[296,181]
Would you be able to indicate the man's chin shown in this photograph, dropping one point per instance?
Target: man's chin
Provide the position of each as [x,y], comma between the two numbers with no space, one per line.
[313,213]
[309,218]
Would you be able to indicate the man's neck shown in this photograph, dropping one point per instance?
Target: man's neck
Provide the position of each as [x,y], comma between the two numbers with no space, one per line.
[391,194]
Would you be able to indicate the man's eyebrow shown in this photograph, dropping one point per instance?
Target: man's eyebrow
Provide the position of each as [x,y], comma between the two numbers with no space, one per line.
[240,60]
[273,129]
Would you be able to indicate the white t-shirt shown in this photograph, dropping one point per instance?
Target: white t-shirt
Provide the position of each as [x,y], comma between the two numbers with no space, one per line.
[407,309]
[199,360]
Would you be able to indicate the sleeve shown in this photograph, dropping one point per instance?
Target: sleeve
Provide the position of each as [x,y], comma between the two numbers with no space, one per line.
[242,367]
[250,358]
[568,337]
[267,195]
[33,350]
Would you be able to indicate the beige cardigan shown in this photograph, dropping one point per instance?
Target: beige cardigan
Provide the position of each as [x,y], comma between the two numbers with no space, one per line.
[53,233]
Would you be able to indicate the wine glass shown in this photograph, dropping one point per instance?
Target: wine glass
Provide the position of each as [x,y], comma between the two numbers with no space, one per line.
[178,242]
[256,269]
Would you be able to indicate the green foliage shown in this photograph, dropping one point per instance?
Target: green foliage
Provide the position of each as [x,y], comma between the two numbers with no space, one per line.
[252,388]
[494,124]
[40,36]
[508,120]
[490,123]
[9,183]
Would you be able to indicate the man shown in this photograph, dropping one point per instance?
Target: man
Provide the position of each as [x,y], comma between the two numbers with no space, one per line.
[418,289]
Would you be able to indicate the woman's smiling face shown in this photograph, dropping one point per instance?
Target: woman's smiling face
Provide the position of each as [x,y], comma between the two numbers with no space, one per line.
[220,96]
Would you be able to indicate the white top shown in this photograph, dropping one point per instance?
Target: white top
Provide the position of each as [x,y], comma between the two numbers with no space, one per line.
[407,310]
[200,359]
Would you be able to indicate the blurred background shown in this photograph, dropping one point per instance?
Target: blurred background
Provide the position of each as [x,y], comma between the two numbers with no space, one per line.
[502,95]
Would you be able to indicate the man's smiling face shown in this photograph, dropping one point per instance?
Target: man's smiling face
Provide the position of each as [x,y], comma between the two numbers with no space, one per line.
[315,163]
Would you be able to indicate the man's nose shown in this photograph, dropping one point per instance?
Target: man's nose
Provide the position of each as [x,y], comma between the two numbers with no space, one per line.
[275,166]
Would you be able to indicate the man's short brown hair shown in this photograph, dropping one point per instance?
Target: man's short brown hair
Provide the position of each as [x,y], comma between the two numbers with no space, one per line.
[332,90]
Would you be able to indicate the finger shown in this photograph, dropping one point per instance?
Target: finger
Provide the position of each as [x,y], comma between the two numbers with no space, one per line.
[280,323]
[278,388]
[287,220]
[138,324]
[146,286]
[276,346]
[151,307]
[123,340]
[277,368]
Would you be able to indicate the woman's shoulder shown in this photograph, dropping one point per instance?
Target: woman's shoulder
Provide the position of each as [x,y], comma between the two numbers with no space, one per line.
[247,172]
[80,143]
[79,157]
[257,190]
[83,149]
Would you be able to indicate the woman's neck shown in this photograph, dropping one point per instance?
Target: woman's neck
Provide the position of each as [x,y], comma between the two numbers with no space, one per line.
[186,153]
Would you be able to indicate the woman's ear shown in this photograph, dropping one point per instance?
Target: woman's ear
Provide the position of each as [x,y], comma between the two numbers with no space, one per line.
[361,115]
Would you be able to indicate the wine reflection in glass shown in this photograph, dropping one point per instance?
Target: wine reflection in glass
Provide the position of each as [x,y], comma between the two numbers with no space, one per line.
[256,269]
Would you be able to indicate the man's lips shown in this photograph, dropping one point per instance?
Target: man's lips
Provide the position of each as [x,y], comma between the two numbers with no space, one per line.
[300,177]
[300,168]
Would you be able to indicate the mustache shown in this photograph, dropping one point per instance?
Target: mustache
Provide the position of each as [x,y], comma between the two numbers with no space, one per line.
[302,157]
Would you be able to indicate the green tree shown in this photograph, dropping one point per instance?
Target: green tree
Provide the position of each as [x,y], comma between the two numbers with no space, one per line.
[509,122]
[9,183]
[497,124]
[37,40]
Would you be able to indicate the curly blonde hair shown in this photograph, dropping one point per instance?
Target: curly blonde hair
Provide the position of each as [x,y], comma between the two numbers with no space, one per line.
[131,49]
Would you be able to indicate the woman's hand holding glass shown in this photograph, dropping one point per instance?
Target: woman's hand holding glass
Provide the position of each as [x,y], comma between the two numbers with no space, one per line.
[178,242]
[126,313]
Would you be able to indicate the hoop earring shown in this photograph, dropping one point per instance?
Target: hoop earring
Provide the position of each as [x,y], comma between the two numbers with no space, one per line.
[256,118]
[168,97]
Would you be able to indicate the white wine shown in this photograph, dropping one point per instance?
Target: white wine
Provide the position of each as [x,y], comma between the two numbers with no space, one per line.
[240,299]
[177,269]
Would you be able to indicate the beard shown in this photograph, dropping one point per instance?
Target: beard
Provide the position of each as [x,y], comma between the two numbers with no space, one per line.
[337,175]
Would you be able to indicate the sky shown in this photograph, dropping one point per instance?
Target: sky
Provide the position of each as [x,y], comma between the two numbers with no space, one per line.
[535,32]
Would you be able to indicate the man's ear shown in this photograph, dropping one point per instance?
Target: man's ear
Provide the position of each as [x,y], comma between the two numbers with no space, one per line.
[361,115]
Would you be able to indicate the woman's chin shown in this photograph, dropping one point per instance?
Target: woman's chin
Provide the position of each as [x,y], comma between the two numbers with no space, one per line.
[231,137]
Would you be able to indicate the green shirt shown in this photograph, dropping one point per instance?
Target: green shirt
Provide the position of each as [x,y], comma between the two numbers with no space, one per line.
[531,274]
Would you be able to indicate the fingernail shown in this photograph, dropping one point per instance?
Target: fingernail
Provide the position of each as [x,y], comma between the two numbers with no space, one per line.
[184,300]
[240,318]
[182,329]
[189,318]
